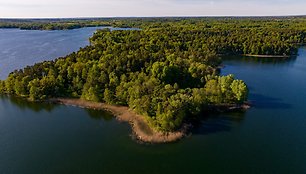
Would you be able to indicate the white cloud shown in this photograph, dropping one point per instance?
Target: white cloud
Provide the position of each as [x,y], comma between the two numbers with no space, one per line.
[106,8]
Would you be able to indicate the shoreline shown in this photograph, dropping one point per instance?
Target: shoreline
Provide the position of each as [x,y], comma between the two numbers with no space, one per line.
[266,56]
[139,125]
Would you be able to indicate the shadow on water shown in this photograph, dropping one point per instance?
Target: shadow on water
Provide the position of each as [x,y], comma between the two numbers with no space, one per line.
[99,114]
[49,107]
[215,122]
[263,102]
[25,104]
[260,60]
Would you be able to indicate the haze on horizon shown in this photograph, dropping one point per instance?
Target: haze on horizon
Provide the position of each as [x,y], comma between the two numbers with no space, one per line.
[139,8]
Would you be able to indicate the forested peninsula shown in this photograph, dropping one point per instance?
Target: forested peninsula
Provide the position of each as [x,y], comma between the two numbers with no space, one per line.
[167,72]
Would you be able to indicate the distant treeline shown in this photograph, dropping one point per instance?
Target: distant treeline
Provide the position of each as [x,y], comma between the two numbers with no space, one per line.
[50,24]
[232,35]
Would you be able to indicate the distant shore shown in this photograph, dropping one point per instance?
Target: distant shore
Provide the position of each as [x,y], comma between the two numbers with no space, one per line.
[139,125]
[266,56]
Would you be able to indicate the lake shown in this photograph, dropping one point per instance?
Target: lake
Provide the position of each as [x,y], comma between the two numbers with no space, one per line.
[44,138]
[19,48]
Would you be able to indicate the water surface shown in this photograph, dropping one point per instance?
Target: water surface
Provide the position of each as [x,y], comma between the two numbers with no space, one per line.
[268,138]
[19,48]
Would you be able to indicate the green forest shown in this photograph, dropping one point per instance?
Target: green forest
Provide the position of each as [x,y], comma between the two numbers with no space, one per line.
[168,71]
[51,24]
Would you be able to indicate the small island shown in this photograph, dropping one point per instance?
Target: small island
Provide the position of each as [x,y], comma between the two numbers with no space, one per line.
[157,78]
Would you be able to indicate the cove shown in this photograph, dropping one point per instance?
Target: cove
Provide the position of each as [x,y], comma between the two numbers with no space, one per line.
[268,138]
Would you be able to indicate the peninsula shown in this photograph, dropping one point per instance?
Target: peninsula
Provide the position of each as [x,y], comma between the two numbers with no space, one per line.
[160,77]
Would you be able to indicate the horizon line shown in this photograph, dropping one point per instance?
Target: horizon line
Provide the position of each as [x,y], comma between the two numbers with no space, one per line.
[166,16]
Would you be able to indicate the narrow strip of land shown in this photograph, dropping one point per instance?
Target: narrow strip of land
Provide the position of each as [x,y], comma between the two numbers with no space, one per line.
[266,56]
[139,125]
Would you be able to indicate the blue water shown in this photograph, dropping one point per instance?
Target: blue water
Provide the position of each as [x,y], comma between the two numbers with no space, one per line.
[19,48]
[274,130]
[268,138]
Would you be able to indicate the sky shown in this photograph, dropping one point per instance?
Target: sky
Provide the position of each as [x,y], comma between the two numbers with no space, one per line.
[140,8]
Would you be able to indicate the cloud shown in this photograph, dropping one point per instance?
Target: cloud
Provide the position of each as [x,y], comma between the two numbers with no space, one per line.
[106,8]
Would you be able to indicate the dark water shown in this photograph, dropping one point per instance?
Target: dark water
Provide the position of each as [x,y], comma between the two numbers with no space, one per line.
[269,138]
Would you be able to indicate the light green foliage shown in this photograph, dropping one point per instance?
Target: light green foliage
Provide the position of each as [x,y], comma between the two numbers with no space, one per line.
[199,100]
[9,84]
[225,90]
[213,92]
[35,92]
[240,90]
[91,93]
[171,112]
[109,96]
[2,87]
[21,86]
[225,83]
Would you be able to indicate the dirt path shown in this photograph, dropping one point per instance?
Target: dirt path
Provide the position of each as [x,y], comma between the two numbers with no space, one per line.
[139,125]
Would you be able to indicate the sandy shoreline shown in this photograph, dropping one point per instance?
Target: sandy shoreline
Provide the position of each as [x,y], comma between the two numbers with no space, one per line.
[139,125]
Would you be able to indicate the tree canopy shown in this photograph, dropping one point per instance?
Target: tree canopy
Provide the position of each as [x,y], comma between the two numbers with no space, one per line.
[167,71]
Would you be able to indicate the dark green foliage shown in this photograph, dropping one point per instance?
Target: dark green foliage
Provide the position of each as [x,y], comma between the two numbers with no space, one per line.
[166,72]
[52,24]
[2,87]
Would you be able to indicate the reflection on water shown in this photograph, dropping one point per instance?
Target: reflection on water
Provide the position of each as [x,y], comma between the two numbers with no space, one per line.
[99,114]
[260,60]
[211,123]
[215,122]
[263,102]
[37,107]
[25,104]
